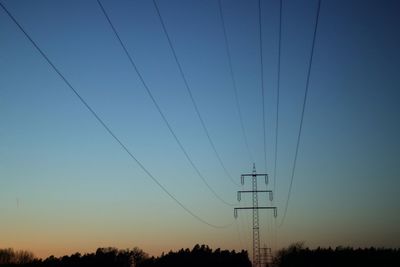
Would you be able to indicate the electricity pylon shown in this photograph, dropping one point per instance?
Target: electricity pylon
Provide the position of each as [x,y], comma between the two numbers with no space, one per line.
[255,208]
[266,256]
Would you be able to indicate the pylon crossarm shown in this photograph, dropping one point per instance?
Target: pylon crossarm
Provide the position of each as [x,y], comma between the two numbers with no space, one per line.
[254,175]
[235,214]
[256,226]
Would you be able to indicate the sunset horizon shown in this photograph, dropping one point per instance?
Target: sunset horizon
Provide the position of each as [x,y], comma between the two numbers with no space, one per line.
[240,125]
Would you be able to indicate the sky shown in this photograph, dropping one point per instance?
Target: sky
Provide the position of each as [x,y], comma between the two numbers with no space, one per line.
[66,185]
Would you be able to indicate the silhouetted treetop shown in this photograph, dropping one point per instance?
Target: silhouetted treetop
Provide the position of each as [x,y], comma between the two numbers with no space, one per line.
[298,256]
[200,255]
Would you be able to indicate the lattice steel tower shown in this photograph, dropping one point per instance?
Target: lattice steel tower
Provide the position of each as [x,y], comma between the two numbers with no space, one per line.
[265,256]
[255,208]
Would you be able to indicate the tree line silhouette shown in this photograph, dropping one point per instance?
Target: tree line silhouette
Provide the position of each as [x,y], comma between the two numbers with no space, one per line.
[9,256]
[196,257]
[295,255]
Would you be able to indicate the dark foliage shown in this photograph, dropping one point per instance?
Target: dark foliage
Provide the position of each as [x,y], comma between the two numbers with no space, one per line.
[101,258]
[298,256]
[112,257]
[200,256]
[9,256]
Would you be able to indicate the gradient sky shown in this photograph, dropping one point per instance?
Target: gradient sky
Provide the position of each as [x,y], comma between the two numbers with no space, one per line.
[67,186]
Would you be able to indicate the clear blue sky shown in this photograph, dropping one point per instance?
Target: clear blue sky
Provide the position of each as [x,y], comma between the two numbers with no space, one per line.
[66,185]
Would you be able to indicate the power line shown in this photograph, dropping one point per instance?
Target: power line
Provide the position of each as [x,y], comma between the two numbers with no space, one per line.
[191,95]
[262,84]
[159,109]
[239,236]
[275,232]
[255,208]
[105,126]
[302,112]
[235,89]
[277,93]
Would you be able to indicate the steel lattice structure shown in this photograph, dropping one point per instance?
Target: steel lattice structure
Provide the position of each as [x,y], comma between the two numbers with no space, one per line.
[256,224]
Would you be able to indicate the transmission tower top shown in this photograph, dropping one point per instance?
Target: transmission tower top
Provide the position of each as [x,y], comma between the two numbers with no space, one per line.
[256,228]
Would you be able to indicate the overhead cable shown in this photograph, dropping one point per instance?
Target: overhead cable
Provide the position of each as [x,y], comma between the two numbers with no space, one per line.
[302,114]
[234,85]
[278,94]
[182,74]
[262,84]
[217,196]
[106,127]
